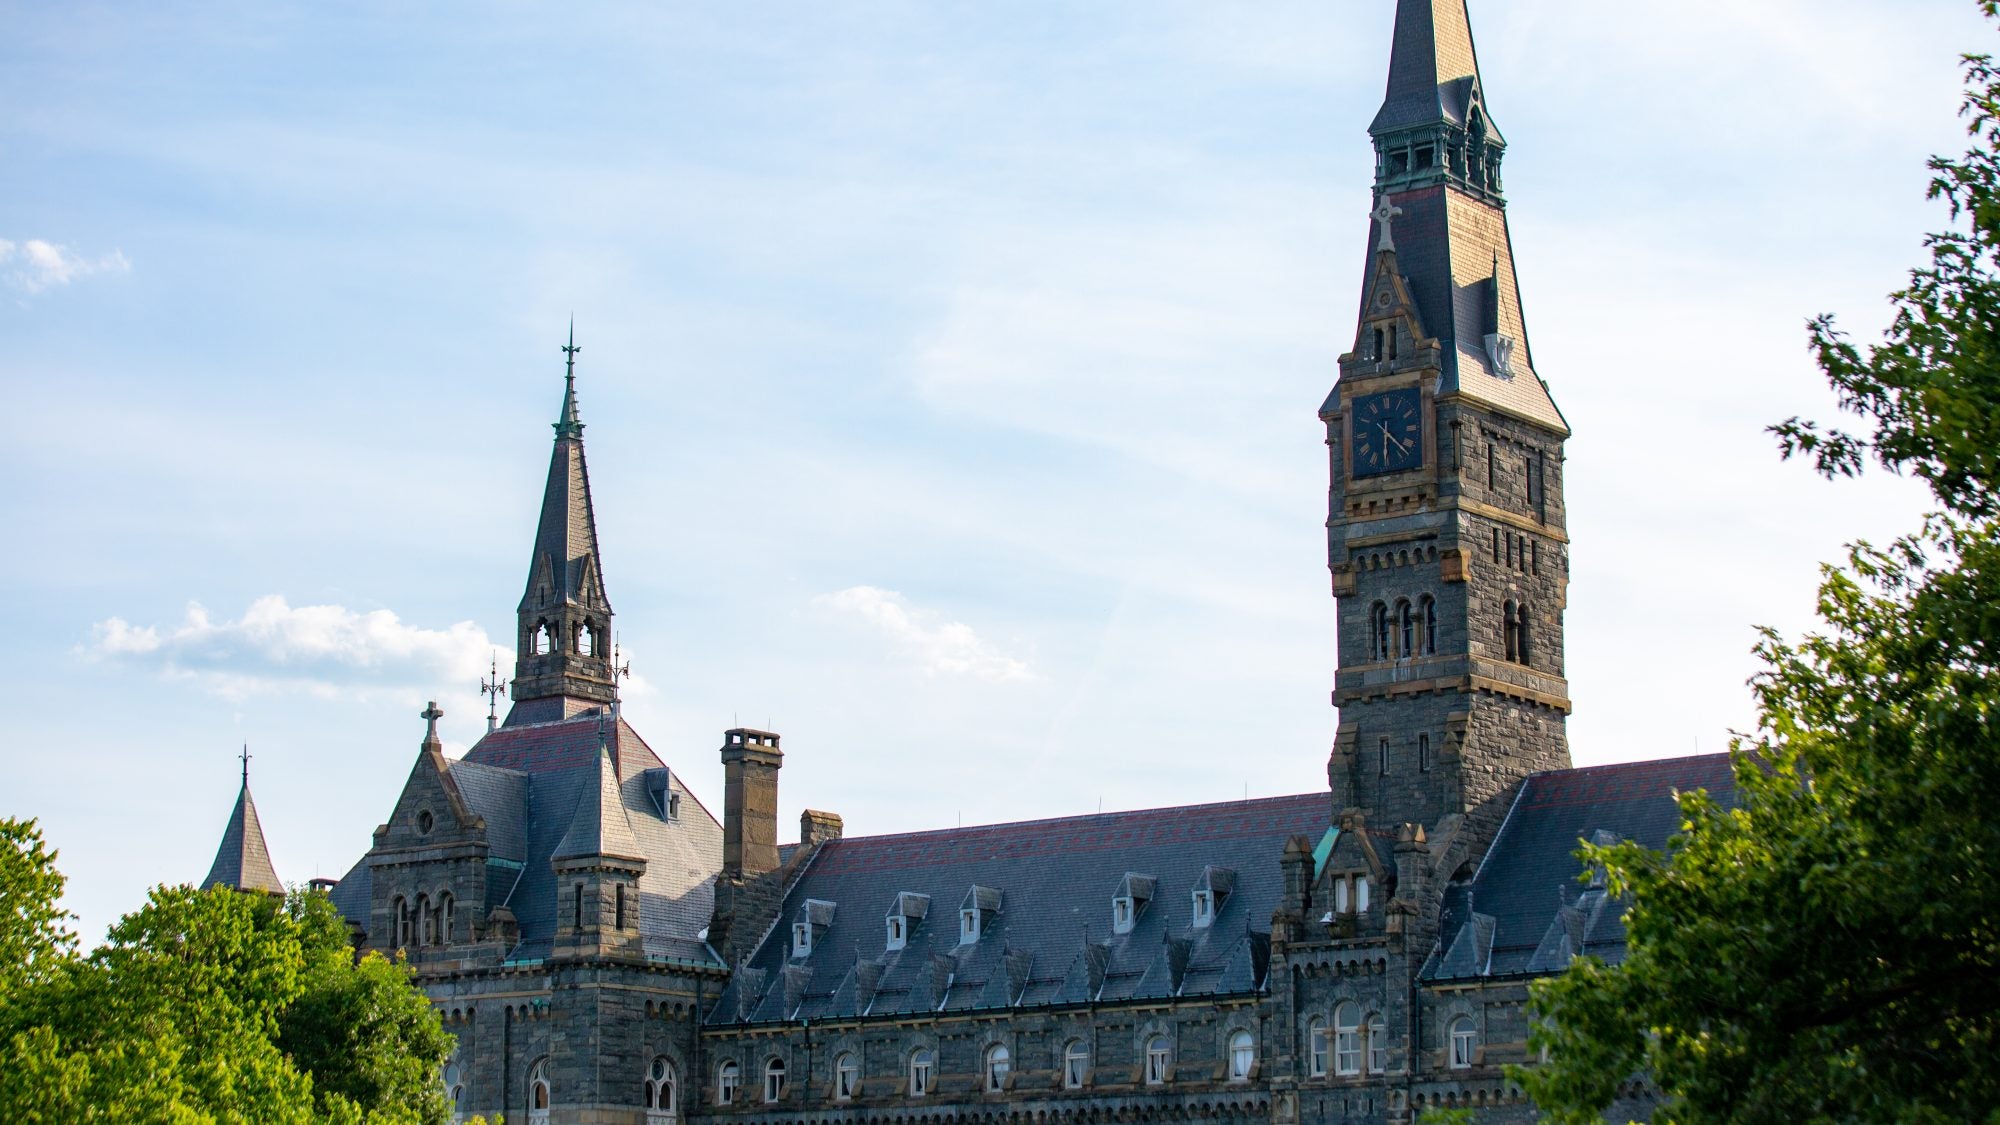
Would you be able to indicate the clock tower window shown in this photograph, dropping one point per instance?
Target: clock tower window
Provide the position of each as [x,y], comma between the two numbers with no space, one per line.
[1509,631]
[1380,615]
[1406,623]
[1430,626]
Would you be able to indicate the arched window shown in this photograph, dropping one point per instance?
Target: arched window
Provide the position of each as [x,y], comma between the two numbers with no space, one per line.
[1242,1056]
[538,1093]
[1076,1064]
[576,904]
[1379,630]
[1378,1044]
[427,920]
[402,910]
[1509,627]
[620,908]
[921,1062]
[846,1076]
[997,1065]
[1521,630]
[1347,1039]
[727,1079]
[586,640]
[774,1079]
[447,909]
[1430,616]
[454,1090]
[1406,627]
[1159,1060]
[1464,1042]
[544,640]
[662,1092]
[1316,1052]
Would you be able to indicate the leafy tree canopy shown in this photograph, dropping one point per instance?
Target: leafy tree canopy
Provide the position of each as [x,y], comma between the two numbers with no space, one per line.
[1826,947]
[204,1006]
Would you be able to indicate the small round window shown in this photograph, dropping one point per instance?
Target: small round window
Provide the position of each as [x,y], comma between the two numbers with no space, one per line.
[424,821]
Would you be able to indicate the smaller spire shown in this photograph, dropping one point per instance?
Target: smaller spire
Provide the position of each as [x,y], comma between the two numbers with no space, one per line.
[600,826]
[243,861]
[569,425]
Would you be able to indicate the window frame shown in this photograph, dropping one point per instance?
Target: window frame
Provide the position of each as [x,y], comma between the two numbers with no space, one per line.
[1463,1043]
[994,1067]
[1242,1055]
[774,1079]
[1376,1046]
[728,1082]
[1319,1048]
[846,1077]
[1347,1039]
[923,1063]
[1159,1060]
[663,1085]
[1076,1064]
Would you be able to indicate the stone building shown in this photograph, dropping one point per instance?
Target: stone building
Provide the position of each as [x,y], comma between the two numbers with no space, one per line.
[606,951]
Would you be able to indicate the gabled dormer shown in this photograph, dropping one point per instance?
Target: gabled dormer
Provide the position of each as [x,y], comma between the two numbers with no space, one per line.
[980,906]
[810,924]
[1353,882]
[905,914]
[1129,901]
[1210,891]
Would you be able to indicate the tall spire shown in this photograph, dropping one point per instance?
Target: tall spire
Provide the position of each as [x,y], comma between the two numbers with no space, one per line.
[563,653]
[1437,172]
[243,862]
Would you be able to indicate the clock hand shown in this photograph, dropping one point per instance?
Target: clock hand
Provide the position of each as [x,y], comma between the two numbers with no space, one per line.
[1391,437]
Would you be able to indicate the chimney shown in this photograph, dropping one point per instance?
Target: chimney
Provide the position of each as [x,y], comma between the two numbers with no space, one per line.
[750,763]
[816,828]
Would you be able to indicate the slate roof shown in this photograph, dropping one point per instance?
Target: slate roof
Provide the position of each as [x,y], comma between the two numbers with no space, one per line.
[1432,66]
[530,783]
[1046,935]
[566,534]
[243,862]
[1525,911]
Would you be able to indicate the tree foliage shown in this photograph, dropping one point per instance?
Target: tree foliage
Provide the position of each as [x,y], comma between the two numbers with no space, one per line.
[1825,946]
[204,1006]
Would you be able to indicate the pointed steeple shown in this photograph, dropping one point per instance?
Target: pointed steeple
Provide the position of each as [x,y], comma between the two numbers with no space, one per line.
[563,653]
[1437,171]
[243,862]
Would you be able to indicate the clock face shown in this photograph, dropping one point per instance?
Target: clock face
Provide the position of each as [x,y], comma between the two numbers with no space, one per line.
[1388,432]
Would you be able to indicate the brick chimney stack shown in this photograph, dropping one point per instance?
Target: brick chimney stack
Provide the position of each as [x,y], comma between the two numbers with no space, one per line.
[750,763]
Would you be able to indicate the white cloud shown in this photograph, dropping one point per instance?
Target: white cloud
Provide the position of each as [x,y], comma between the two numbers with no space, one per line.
[35,265]
[949,648]
[321,650]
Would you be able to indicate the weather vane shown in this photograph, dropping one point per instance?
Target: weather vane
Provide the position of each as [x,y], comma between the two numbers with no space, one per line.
[569,353]
[245,756]
[493,688]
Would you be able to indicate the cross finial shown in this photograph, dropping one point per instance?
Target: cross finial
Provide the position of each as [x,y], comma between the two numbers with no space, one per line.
[493,688]
[1384,214]
[245,756]
[431,715]
[569,352]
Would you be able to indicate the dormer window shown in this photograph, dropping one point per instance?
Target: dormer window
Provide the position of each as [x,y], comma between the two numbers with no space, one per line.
[1214,885]
[1129,901]
[802,939]
[905,912]
[1204,909]
[898,932]
[975,911]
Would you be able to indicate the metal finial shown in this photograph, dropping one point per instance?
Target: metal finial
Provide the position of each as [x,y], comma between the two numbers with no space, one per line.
[1385,213]
[620,669]
[493,688]
[245,756]
[569,425]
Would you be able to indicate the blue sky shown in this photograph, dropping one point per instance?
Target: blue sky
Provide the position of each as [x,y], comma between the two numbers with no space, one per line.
[950,373]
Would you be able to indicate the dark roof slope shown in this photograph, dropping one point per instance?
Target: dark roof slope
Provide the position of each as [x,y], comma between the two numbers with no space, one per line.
[1050,939]
[1526,910]
[243,862]
[1430,56]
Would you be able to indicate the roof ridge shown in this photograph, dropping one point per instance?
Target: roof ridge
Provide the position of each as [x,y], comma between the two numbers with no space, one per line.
[1121,813]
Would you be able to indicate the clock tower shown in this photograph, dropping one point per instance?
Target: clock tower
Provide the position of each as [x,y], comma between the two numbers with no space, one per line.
[1445,528]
